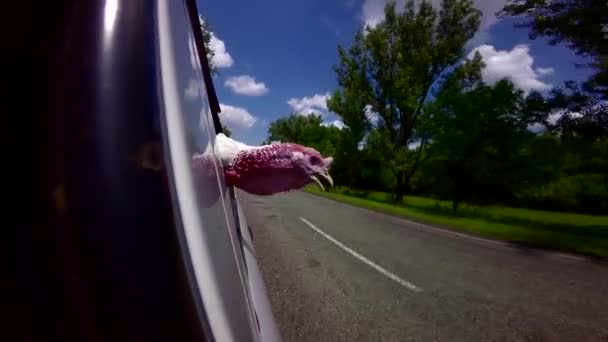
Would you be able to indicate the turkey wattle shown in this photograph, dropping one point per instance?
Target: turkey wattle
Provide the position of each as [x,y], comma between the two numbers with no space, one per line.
[268,169]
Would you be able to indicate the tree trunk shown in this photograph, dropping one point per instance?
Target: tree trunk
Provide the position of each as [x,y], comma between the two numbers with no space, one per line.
[399,195]
[400,187]
[455,203]
[457,175]
[456,193]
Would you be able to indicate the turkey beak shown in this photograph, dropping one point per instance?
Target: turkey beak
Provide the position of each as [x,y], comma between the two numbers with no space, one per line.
[316,180]
[327,177]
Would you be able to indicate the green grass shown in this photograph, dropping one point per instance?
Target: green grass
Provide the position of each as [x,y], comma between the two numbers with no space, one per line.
[569,232]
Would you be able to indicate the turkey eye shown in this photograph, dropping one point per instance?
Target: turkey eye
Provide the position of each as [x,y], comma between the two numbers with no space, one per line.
[314,160]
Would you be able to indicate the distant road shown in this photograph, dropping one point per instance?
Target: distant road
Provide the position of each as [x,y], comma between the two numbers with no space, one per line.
[340,273]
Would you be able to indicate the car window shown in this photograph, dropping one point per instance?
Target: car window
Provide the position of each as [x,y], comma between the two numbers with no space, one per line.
[197,180]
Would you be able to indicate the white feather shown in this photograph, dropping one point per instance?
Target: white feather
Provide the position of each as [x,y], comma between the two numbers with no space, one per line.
[226,148]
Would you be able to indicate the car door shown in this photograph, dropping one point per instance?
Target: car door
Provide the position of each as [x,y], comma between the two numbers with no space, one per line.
[121,239]
[215,231]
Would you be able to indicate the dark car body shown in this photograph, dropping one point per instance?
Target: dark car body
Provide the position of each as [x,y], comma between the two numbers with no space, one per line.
[126,243]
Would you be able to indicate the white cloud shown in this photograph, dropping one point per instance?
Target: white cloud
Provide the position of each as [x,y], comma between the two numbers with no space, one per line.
[236,116]
[554,116]
[306,105]
[221,58]
[373,10]
[545,71]
[363,143]
[414,145]
[515,65]
[193,54]
[373,13]
[552,119]
[536,127]
[336,123]
[576,115]
[246,85]
[372,116]
[193,90]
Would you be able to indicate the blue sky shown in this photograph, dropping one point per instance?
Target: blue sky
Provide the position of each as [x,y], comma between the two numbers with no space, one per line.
[275,57]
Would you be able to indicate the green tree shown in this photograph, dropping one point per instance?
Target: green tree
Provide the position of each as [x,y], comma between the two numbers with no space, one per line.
[582,25]
[226,130]
[306,130]
[591,124]
[483,149]
[390,69]
[207,35]
[477,132]
[574,173]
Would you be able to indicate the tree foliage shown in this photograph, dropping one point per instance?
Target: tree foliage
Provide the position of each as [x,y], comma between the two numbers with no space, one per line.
[420,119]
[226,130]
[388,71]
[581,24]
[207,35]
[306,130]
[477,133]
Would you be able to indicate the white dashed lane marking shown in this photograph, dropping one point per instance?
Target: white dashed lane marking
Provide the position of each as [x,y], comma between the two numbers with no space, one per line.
[363,259]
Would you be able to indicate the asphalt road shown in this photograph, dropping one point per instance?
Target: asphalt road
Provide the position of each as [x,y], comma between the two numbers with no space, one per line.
[339,273]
